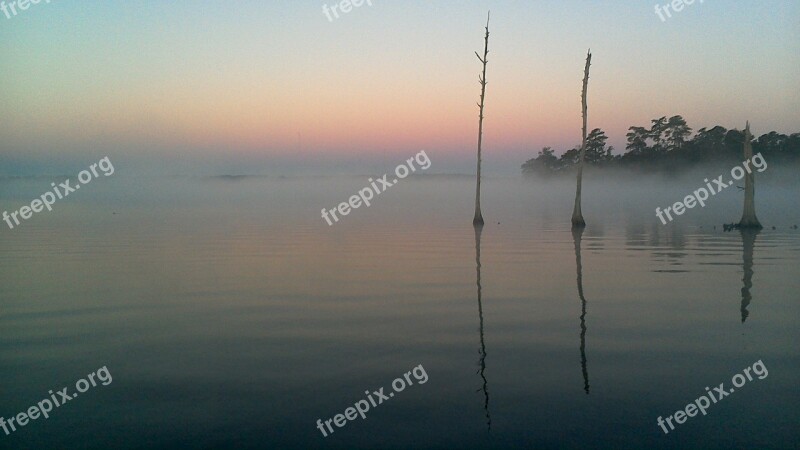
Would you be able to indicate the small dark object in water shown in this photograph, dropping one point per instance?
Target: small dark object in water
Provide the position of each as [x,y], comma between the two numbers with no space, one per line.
[732,226]
[737,226]
[773,228]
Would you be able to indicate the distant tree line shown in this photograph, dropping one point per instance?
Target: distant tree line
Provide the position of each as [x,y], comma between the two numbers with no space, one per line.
[667,145]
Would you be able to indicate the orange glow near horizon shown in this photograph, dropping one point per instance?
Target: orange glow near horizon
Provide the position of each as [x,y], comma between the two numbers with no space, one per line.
[397,78]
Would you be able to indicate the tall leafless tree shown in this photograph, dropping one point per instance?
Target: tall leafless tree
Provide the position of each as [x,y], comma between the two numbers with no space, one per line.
[478,219]
[577,216]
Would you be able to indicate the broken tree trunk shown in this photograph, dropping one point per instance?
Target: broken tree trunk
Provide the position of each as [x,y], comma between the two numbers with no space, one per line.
[577,216]
[749,219]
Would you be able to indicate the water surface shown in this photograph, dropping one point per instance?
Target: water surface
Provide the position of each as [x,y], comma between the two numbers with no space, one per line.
[232,316]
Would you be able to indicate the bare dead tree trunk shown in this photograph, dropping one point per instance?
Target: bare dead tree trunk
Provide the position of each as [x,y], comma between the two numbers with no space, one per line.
[478,219]
[749,219]
[577,216]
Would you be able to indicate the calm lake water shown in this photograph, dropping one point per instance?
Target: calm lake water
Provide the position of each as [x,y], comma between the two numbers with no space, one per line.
[230,315]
